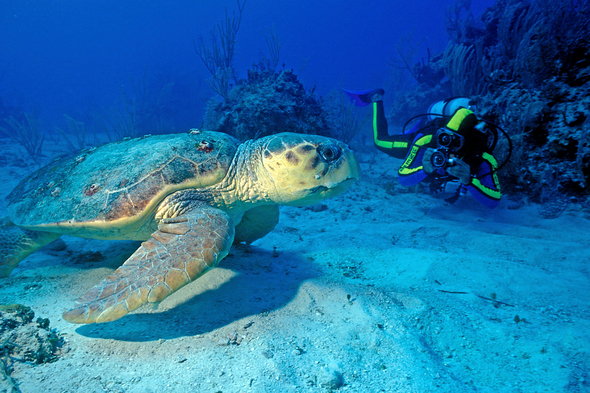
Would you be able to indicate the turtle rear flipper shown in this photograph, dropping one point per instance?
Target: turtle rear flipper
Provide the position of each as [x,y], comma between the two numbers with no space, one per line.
[17,243]
[180,251]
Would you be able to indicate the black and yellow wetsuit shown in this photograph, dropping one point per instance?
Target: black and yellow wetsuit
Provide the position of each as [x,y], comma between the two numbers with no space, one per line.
[410,147]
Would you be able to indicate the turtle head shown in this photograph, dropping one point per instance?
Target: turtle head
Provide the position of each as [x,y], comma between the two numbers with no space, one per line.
[305,169]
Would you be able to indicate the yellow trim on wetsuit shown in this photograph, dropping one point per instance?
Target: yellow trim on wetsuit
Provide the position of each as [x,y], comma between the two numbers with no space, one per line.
[494,194]
[404,168]
[380,143]
[458,118]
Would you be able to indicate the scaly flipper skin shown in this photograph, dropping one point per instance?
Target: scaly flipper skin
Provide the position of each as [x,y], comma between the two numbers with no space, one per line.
[180,251]
[17,243]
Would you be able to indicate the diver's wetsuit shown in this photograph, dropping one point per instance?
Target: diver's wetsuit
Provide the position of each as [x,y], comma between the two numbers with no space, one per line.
[410,147]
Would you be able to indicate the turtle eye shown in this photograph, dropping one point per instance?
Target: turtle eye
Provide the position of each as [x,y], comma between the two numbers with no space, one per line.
[329,152]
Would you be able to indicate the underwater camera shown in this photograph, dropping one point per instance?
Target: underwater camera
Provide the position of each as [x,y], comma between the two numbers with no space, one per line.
[440,158]
[448,142]
[482,138]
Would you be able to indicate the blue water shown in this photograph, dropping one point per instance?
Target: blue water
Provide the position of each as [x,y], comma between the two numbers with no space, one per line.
[394,290]
[75,57]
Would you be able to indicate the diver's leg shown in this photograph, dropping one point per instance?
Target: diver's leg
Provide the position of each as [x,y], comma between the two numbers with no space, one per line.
[379,120]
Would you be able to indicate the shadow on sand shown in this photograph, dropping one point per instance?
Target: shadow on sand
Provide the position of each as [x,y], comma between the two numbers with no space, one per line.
[263,282]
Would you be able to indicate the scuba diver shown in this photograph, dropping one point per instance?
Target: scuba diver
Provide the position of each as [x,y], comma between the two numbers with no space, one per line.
[448,143]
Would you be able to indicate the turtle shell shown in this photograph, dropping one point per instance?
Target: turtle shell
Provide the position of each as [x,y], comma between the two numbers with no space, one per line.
[119,182]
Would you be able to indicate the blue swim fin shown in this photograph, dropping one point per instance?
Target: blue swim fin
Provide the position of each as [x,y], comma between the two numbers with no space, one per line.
[362,97]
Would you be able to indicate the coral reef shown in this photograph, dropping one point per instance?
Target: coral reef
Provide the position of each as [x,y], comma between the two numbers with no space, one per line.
[218,55]
[265,103]
[157,102]
[432,86]
[24,340]
[527,65]
[26,132]
[344,118]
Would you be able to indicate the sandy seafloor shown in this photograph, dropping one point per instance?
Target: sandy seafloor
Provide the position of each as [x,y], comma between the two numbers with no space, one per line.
[383,290]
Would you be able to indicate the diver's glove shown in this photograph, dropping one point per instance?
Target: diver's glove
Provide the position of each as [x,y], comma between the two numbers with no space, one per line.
[460,169]
[427,161]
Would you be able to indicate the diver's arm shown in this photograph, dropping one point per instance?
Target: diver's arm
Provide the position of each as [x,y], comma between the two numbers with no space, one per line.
[485,186]
[412,171]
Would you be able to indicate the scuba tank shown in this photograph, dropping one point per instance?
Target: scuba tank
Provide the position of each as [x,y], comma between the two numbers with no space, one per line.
[448,107]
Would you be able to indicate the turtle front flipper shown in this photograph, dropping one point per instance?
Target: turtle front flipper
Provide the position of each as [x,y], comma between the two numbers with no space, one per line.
[180,251]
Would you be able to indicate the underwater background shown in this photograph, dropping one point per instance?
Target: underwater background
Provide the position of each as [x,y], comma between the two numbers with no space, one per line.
[75,58]
[381,289]
[85,72]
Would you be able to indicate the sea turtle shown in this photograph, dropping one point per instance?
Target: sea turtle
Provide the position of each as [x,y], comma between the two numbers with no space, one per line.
[188,197]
